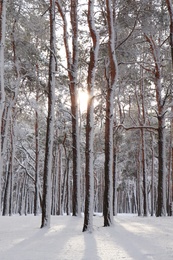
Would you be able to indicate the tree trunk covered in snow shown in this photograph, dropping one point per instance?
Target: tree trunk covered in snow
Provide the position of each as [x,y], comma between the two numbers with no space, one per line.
[145,192]
[143,144]
[161,201]
[115,178]
[8,193]
[138,183]
[68,187]
[152,179]
[170,11]
[111,76]
[89,177]
[2,91]
[59,209]
[5,211]
[46,204]
[72,64]
[142,122]
[36,193]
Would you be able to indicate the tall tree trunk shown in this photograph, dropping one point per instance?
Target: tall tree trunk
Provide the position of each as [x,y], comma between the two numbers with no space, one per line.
[46,204]
[111,76]
[138,182]
[143,122]
[72,65]
[68,187]
[145,192]
[152,179]
[54,183]
[36,193]
[115,180]
[59,211]
[55,178]
[2,91]
[161,201]
[13,139]
[89,175]
[5,211]
[169,196]
[23,194]
[170,11]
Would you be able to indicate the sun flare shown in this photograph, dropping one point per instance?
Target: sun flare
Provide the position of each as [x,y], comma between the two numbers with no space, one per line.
[83,100]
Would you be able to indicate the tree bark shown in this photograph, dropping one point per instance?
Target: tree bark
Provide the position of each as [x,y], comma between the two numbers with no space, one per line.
[36,193]
[170,11]
[152,179]
[111,76]
[72,64]
[145,192]
[115,180]
[46,204]
[2,91]
[161,201]
[89,175]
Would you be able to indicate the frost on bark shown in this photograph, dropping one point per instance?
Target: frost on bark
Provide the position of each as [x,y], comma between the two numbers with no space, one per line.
[115,180]
[46,204]
[111,69]
[170,11]
[8,189]
[89,178]
[170,203]
[36,193]
[2,91]
[161,200]
[72,64]
[142,122]
[145,192]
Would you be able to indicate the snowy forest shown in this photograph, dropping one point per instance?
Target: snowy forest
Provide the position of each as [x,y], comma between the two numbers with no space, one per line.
[86,108]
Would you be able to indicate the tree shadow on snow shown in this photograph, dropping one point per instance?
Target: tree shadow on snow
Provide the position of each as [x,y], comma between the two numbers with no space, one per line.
[45,243]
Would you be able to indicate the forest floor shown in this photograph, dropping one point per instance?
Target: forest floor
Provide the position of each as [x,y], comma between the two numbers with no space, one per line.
[130,238]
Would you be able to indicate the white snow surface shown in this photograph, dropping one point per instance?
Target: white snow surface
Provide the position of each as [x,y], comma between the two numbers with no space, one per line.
[131,237]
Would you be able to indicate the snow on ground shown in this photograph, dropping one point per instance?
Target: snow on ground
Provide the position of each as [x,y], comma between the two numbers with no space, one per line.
[131,238]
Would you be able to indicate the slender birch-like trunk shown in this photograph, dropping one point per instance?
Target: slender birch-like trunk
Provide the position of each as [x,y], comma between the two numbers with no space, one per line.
[68,187]
[115,178]
[142,122]
[46,204]
[152,178]
[170,11]
[169,181]
[145,192]
[8,193]
[72,65]
[59,180]
[138,182]
[36,193]
[144,168]
[161,201]
[111,76]
[2,91]
[6,200]
[89,176]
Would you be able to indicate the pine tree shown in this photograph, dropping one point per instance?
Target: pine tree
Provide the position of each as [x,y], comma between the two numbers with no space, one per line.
[111,72]
[72,66]
[89,176]
[2,91]
[46,204]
